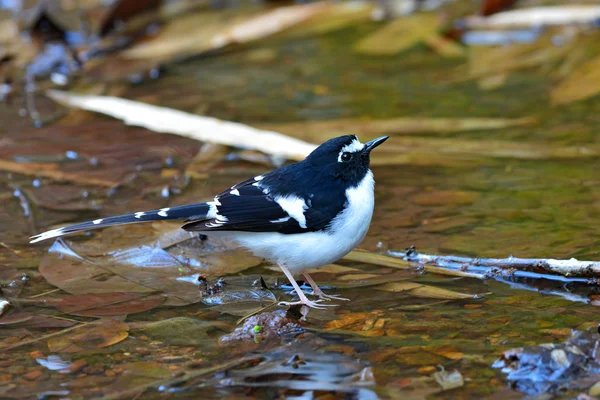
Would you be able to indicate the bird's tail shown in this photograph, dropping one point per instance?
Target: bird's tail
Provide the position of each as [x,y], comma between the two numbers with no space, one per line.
[189,212]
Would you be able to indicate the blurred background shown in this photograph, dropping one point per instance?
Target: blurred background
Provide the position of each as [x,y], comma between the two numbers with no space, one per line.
[110,107]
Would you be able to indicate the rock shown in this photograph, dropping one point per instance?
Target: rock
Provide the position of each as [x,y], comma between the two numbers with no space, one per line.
[263,326]
[553,367]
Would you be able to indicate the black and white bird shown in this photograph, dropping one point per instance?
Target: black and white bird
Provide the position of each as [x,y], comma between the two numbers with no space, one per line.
[301,216]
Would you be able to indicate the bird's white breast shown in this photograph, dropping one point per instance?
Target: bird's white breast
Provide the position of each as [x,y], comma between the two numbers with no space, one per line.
[303,251]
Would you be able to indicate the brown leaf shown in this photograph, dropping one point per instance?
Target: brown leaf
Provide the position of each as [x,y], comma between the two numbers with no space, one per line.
[399,35]
[426,291]
[96,335]
[106,304]
[377,259]
[366,324]
[61,198]
[28,320]
[368,129]
[140,270]
[581,84]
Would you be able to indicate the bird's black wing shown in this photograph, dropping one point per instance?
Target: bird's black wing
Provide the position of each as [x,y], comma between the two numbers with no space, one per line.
[252,206]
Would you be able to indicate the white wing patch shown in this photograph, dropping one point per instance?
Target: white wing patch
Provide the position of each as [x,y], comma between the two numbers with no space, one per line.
[139,214]
[354,147]
[280,220]
[163,212]
[295,208]
[97,221]
[235,192]
[212,208]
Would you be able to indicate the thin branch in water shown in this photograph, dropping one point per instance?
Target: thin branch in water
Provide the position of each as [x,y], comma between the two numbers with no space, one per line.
[571,270]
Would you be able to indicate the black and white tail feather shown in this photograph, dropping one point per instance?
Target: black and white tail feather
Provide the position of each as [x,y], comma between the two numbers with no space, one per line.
[184,213]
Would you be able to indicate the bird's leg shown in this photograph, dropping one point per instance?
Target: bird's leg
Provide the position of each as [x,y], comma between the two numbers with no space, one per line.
[318,292]
[303,299]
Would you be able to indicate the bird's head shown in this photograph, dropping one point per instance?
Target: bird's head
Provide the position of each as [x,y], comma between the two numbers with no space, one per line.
[344,157]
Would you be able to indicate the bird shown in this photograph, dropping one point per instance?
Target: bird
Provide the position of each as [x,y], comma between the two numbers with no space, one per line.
[301,216]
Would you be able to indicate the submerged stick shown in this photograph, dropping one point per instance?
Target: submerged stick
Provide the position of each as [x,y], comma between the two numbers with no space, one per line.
[571,270]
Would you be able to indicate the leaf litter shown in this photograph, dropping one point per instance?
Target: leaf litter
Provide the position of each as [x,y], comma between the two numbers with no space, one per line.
[375,324]
[96,335]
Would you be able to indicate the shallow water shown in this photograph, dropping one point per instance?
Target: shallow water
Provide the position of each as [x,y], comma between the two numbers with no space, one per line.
[461,202]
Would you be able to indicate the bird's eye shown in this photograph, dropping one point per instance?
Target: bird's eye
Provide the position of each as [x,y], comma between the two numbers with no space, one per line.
[346,157]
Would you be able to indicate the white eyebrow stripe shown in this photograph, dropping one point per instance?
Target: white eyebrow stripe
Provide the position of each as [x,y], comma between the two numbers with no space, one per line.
[294,206]
[354,147]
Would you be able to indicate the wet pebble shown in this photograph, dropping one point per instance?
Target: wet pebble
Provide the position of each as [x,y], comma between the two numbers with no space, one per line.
[270,324]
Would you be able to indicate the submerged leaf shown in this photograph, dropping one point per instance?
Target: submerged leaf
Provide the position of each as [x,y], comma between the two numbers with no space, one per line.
[316,131]
[426,291]
[31,321]
[182,331]
[96,335]
[377,259]
[106,304]
[210,31]
[123,272]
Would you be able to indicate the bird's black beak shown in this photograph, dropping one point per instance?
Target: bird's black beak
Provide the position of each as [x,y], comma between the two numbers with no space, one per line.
[374,143]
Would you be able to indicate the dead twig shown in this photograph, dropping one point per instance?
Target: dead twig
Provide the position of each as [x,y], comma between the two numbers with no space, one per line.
[571,270]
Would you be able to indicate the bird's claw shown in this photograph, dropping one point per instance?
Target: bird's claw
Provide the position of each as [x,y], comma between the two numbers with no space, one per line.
[312,304]
[329,297]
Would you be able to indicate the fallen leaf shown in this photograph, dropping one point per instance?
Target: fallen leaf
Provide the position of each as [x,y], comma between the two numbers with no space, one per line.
[377,259]
[445,351]
[61,198]
[27,320]
[178,331]
[354,321]
[425,291]
[203,32]
[336,17]
[122,272]
[332,269]
[106,304]
[206,129]
[444,46]
[399,35]
[51,171]
[366,129]
[582,83]
[537,16]
[96,335]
